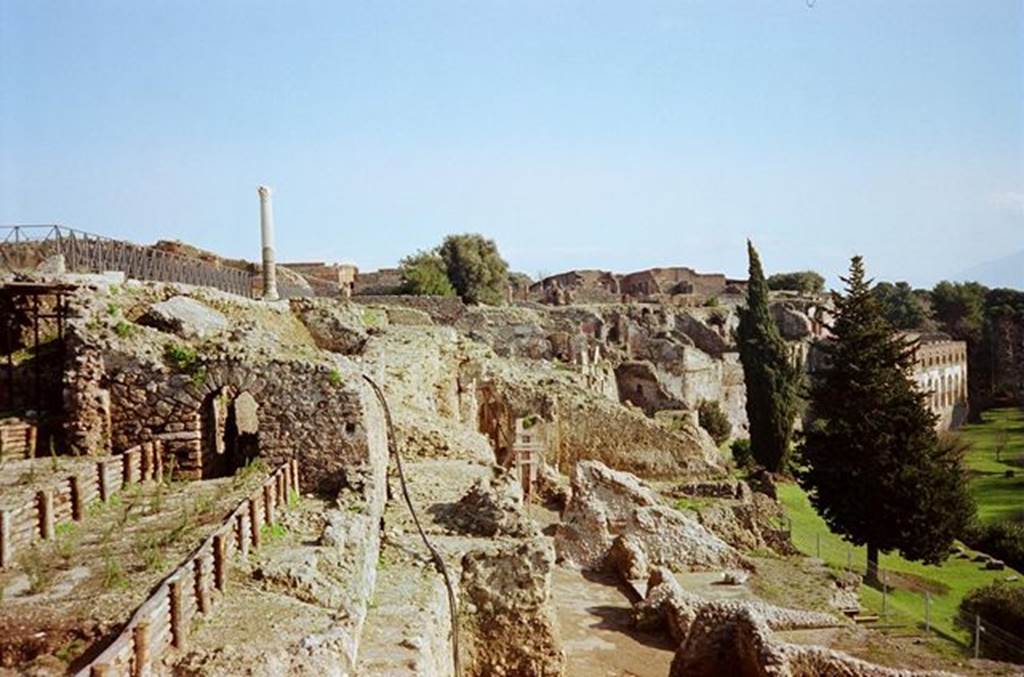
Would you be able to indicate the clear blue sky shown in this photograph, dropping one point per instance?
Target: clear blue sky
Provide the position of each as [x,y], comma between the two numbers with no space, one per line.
[577,134]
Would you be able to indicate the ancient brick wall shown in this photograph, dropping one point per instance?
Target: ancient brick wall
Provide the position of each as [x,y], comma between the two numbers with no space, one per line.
[303,409]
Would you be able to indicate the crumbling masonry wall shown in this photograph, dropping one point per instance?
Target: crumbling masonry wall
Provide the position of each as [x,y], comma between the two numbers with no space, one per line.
[305,410]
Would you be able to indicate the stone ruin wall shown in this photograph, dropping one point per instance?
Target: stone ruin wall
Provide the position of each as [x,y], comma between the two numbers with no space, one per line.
[940,370]
[116,401]
[442,309]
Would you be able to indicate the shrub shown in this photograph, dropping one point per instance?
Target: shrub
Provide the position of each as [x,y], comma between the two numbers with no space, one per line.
[1000,605]
[741,455]
[424,274]
[180,357]
[124,329]
[714,420]
[1002,540]
[805,281]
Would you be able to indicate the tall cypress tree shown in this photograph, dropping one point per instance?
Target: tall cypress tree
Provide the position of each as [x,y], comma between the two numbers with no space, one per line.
[770,371]
[877,472]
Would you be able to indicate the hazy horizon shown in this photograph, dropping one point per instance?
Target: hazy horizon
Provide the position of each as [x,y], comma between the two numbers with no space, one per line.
[577,135]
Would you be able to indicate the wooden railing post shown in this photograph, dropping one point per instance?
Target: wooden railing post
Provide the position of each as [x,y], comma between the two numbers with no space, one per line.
[268,502]
[101,469]
[241,528]
[219,561]
[77,503]
[46,529]
[202,589]
[295,474]
[158,460]
[146,463]
[140,633]
[254,522]
[177,618]
[6,546]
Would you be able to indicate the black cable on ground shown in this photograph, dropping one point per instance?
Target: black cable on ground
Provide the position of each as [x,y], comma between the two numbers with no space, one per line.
[434,554]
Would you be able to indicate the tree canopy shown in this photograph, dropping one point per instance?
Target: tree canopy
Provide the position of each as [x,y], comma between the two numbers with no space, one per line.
[903,306]
[805,281]
[876,470]
[475,268]
[423,273]
[771,374]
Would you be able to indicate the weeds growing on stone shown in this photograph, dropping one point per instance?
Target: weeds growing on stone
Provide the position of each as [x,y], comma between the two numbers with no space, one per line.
[124,329]
[272,532]
[66,540]
[334,377]
[180,357]
[113,572]
[35,563]
[152,553]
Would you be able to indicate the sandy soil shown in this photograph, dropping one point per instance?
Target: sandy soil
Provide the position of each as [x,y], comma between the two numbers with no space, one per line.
[595,619]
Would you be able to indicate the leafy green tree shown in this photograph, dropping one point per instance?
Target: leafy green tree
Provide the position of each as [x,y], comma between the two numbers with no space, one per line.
[475,268]
[771,373]
[901,305]
[959,308]
[805,281]
[424,274]
[876,470]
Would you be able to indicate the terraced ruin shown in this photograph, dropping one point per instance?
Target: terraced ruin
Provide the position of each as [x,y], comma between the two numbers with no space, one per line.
[221,491]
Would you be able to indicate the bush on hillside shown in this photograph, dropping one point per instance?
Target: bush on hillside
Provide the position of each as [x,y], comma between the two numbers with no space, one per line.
[475,268]
[1001,605]
[804,281]
[741,455]
[713,419]
[424,274]
[1002,540]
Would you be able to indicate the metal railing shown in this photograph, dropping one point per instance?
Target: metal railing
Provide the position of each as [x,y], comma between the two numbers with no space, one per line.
[24,248]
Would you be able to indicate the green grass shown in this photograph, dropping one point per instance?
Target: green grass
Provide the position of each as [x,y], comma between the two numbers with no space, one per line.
[998,497]
[948,582]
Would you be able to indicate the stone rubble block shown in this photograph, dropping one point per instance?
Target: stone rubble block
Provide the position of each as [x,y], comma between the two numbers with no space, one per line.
[607,503]
[185,317]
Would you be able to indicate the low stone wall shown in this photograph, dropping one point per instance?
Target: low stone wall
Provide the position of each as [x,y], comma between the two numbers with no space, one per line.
[17,439]
[66,500]
[443,309]
[190,591]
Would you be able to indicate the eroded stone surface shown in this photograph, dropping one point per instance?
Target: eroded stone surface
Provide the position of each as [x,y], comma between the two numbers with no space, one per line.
[606,503]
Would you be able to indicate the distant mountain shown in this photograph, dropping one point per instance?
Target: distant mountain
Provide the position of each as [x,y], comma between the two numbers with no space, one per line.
[1007,271]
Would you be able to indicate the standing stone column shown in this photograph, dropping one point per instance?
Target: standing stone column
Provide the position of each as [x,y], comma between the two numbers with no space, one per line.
[267,233]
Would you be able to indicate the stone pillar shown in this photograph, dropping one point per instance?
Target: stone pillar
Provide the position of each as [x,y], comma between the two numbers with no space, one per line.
[267,235]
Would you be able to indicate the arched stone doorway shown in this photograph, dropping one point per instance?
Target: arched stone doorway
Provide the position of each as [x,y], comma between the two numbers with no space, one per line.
[230,425]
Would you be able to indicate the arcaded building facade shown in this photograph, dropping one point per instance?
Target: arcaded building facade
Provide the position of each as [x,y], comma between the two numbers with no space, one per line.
[940,370]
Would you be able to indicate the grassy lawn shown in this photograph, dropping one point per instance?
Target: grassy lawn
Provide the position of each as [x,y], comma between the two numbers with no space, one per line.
[999,497]
[909,581]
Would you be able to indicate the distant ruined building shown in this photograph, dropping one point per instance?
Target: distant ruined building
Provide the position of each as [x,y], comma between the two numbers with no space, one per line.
[677,285]
[940,370]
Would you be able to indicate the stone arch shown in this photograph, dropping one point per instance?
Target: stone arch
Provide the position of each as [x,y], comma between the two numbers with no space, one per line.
[230,431]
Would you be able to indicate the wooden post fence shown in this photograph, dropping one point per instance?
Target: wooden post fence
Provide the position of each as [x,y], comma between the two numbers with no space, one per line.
[163,620]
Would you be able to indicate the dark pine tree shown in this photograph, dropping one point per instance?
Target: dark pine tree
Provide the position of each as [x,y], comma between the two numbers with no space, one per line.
[876,470]
[771,373]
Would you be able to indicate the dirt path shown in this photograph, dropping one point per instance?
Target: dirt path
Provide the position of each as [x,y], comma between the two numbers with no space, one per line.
[594,617]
